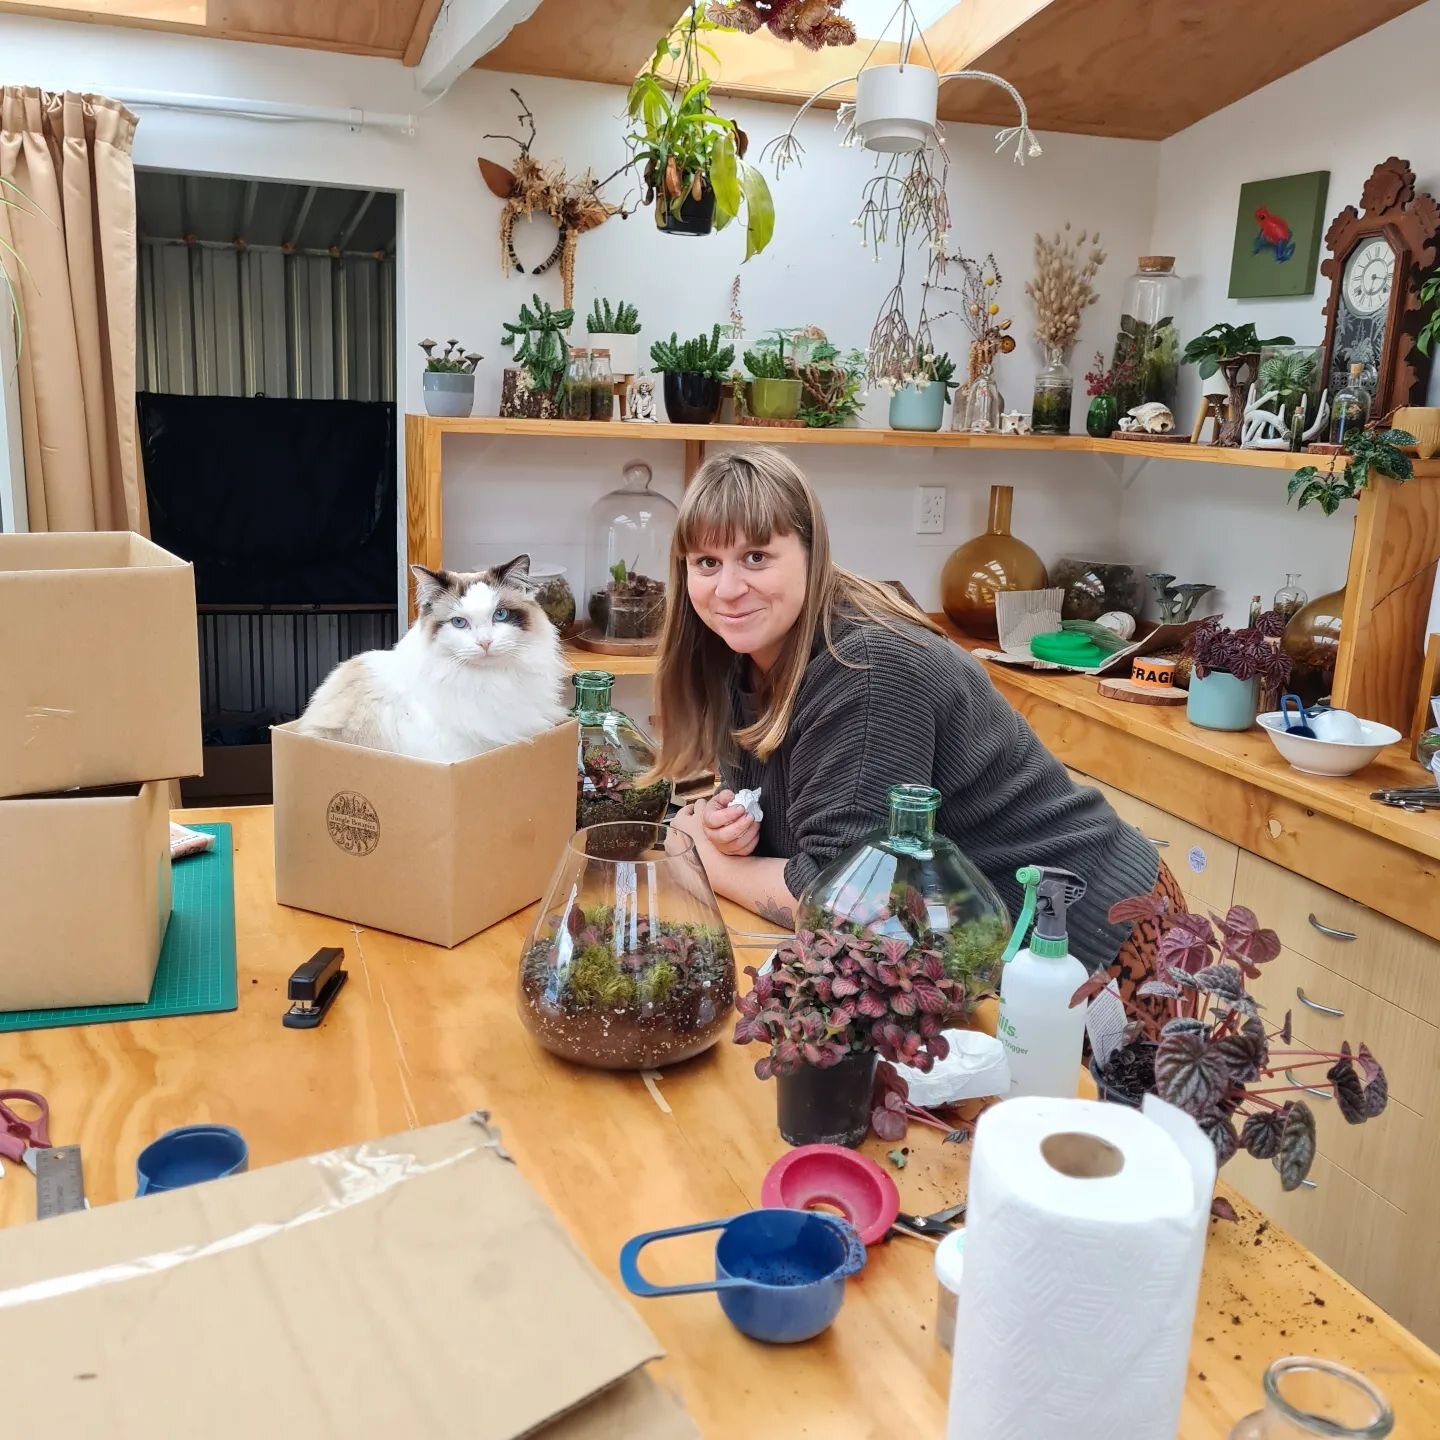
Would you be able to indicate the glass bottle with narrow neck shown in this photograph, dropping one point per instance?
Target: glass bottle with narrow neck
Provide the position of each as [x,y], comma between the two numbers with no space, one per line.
[613,758]
[1351,408]
[912,818]
[1307,1398]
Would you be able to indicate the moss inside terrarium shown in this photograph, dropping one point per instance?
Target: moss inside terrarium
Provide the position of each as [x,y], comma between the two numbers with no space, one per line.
[630,607]
[605,791]
[972,954]
[1050,411]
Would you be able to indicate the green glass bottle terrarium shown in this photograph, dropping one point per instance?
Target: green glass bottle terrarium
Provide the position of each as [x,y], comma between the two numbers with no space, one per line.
[629,965]
[909,882]
[614,755]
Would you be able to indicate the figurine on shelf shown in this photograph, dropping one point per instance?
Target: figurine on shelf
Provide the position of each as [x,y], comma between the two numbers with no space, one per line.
[640,402]
[1177,602]
[1264,428]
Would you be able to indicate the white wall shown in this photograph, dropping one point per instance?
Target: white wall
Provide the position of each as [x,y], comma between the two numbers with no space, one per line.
[813,273]
[1344,113]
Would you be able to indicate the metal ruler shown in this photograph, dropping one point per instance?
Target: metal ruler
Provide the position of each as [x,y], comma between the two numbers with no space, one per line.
[59,1181]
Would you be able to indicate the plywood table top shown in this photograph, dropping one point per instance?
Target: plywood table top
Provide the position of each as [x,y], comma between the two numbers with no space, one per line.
[421,1035]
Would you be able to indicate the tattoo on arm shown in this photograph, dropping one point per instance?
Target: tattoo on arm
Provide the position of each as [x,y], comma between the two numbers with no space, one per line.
[776,914]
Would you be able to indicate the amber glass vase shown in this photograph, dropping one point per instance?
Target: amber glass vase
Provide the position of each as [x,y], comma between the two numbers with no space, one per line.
[993,561]
[1312,640]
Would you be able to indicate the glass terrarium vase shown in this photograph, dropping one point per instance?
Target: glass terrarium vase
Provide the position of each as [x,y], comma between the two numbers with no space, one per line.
[627,559]
[1290,598]
[574,403]
[614,753]
[983,403]
[1312,641]
[1307,1397]
[1147,343]
[1054,390]
[911,883]
[554,596]
[629,964]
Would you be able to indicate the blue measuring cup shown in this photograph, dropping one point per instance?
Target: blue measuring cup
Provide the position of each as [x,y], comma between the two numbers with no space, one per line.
[779,1274]
[190,1155]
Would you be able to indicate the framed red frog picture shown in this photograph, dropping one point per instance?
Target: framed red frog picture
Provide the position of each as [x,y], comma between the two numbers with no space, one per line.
[1277,236]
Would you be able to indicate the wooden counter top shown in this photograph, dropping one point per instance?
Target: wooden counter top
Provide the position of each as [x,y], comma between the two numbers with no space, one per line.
[421,1035]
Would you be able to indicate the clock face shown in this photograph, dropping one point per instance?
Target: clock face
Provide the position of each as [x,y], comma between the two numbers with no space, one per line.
[1369,274]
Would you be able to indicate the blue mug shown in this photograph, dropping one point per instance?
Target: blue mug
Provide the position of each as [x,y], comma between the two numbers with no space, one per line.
[190,1155]
[779,1274]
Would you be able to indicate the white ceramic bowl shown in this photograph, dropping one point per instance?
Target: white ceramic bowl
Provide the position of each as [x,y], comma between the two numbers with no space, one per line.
[1328,757]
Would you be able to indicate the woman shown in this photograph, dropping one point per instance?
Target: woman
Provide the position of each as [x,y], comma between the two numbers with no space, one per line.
[824,689]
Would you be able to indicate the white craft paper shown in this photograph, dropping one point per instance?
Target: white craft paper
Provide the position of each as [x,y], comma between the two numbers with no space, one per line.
[975,1068]
[1075,1316]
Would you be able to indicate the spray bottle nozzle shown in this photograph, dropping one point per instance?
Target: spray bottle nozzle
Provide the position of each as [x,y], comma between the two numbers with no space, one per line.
[1049,893]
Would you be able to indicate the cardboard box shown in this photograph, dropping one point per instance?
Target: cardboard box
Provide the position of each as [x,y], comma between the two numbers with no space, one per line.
[99,663]
[84,897]
[437,852]
[408,1287]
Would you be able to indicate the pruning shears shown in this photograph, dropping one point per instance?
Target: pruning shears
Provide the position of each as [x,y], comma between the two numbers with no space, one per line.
[934,1227]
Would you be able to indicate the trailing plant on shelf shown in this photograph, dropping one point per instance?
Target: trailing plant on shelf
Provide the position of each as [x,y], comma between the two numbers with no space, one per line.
[920,367]
[454,359]
[687,150]
[1368,451]
[1245,654]
[834,386]
[1195,1038]
[1429,334]
[537,337]
[622,319]
[704,355]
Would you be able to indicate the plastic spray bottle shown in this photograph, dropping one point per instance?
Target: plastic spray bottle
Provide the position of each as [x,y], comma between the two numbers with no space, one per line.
[1043,1037]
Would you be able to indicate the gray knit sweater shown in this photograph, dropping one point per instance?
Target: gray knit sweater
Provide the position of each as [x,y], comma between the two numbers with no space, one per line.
[920,710]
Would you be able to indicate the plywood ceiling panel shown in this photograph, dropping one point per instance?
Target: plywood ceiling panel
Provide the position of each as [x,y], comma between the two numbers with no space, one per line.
[1145,71]
[604,40]
[375,26]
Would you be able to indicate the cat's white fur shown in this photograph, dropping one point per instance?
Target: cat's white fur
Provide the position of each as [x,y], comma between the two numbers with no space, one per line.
[458,682]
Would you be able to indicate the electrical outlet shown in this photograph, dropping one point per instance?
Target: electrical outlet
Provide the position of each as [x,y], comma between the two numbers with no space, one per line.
[929,509]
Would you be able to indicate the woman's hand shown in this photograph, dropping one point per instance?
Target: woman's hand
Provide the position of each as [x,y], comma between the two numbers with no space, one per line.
[729,826]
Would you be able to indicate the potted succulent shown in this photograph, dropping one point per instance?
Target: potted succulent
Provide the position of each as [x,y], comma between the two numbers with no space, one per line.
[1196,1039]
[449,379]
[1366,452]
[532,384]
[1228,668]
[921,390]
[694,373]
[774,388]
[614,329]
[829,1007]
[1233,350]
[694,160]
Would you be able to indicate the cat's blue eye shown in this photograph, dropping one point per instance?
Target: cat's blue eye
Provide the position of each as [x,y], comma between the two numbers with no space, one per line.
[501,615]
[459,622]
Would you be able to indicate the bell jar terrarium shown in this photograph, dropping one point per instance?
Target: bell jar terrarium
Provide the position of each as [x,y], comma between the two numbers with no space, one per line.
[908,882]
[629,964]
[627,561]
[614,755]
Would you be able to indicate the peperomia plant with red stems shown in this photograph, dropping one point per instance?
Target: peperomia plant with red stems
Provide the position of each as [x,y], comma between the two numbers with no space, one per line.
[830,994]
[1241,653]
[1196,1038]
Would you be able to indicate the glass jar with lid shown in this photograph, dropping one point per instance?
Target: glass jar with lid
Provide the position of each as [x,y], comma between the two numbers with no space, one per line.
[614,755]
[574,399]
[627,561]
[1054,389]
[909,882]
[1147,345]
[602,386]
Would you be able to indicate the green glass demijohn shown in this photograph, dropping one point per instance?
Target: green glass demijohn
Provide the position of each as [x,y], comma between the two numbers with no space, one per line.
[614,754]
[910,882]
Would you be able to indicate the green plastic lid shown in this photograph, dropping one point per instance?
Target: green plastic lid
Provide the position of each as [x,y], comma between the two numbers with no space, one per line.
[1065,647]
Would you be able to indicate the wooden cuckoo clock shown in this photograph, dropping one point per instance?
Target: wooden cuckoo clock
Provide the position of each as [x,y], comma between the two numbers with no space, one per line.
[1378,257]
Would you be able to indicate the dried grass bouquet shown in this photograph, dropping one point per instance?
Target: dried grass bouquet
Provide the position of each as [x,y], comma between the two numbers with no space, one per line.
[1063,286]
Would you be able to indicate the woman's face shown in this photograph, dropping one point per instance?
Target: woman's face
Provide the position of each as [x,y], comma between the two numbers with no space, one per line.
[750,595]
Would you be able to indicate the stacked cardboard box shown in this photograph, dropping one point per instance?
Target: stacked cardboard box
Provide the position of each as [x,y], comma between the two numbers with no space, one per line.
[99,711]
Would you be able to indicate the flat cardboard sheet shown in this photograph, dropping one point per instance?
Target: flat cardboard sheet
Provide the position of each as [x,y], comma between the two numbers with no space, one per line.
[409,1287]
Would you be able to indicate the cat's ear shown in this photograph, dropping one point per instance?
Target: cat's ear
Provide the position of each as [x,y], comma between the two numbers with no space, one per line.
[514,572]
[430,584]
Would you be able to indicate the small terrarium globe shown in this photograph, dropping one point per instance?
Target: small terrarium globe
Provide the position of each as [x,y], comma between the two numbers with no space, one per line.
[911,883]
[627,560]
[614,755]
[629,964]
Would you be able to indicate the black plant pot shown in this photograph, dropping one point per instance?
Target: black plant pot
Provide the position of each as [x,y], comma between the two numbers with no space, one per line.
[826,1107]
[691,398]
[696,217]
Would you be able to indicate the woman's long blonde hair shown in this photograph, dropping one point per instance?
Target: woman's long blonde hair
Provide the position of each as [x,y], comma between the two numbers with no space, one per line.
[750,494]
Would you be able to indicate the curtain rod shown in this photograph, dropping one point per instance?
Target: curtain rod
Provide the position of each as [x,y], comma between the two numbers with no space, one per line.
[354,119]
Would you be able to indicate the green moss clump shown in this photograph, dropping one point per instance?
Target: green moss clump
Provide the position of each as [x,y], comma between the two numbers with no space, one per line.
[972,954]
[654,985]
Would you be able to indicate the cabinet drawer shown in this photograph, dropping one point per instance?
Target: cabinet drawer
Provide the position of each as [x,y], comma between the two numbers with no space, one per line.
[1405,1045]
[1385,956]
[1203,863]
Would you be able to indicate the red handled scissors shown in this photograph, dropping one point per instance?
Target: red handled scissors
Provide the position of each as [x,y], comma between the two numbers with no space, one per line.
[20,1139]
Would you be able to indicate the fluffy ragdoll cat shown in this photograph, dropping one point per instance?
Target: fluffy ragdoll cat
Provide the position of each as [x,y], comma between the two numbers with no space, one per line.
[480,667]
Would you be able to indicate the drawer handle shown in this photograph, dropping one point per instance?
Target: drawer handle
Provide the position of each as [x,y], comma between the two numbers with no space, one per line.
[1332,933]
[1304,999]
[1158,844]
[1309,1185]
[1309,1089]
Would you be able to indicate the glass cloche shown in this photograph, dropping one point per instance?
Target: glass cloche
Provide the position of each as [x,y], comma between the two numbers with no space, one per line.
[909,882]
[629,964]
[627,562]
[614,753]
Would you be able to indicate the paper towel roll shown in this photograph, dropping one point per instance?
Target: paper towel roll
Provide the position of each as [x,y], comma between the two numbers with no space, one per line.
[1087,1226]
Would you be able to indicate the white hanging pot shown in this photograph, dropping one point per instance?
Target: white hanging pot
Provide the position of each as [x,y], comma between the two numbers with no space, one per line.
[895,106]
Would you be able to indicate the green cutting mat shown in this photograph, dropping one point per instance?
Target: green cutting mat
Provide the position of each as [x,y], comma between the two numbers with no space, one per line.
[196,973]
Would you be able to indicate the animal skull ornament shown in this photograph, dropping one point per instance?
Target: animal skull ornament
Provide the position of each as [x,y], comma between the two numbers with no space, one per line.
[574,205]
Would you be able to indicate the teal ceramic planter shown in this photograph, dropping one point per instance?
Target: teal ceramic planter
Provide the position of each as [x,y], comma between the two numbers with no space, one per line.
[913,408]
[1221,702]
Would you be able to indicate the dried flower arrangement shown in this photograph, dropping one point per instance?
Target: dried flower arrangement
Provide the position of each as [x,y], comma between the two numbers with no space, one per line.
[1195,1038]
[979,292]
[1241,653]
[453,360]
[1103,380]
[1064,285]
[814,23]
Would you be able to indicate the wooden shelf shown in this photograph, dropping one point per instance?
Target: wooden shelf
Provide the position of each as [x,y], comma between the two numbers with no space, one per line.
[578,659]
[636,434]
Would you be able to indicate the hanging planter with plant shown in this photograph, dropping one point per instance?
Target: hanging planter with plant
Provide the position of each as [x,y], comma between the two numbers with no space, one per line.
[694,374]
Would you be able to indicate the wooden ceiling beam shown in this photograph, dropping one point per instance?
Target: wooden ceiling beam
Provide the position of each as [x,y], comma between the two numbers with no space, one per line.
[961,35]
[466,31]
[420,31]
[586,39]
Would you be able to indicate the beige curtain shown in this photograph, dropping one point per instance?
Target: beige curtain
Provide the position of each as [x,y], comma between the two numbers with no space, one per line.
[69,156]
